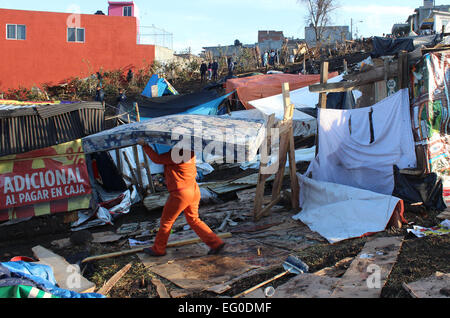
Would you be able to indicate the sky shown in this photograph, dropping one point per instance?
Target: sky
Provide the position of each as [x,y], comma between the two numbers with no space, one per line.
[199,23]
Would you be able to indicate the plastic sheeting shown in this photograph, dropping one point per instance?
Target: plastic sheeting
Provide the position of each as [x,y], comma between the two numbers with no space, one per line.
[359,147]
[301,98]
[388,46]
[163,87]
[201,103]
[261,86]
[339,212]
[43,275]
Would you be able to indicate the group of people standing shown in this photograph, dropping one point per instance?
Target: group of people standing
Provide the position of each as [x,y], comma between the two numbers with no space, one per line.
[270,58]
[209,71]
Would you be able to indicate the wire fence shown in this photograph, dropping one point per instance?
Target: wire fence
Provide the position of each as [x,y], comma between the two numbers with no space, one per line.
[155,36]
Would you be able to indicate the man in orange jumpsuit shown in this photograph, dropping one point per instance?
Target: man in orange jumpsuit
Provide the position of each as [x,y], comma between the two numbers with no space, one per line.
[184,196]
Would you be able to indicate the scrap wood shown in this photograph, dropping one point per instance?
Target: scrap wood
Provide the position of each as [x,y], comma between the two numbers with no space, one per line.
[105,237]
[140,249]
[204,272]
[435,286]
[114,279]
[336,270]
[444,215]
[302,286]
[65,274]
[160,288]
[369,271]
[319,284]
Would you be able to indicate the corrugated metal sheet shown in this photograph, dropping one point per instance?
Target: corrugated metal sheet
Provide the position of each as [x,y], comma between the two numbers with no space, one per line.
[27,128]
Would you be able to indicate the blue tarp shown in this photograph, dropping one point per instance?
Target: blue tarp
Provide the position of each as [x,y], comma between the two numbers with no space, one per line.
[163,87]
[43,276]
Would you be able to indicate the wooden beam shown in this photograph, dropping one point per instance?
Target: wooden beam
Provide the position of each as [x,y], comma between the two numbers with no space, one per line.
[160,288]
[140,249]
[114,279]
[323,80]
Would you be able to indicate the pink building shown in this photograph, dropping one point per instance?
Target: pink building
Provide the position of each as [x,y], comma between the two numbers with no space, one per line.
[121,8]
[124,9]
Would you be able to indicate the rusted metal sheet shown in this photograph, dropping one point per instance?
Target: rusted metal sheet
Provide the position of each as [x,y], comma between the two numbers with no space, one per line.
[31,127]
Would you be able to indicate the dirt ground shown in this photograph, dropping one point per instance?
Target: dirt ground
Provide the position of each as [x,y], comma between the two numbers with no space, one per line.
[418,257]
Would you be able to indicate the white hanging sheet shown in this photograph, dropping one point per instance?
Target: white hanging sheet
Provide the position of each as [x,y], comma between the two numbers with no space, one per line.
[359,152]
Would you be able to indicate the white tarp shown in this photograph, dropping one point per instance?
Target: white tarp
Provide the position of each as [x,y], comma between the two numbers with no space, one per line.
[346,154]
[339,212]
[300,98]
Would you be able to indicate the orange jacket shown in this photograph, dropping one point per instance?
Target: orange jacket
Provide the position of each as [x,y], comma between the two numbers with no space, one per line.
[178,176]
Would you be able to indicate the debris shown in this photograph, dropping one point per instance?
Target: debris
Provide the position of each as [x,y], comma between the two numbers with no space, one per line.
[441,229]
[114,279]
[306,285]
[105,237]
[292,265]
[138,250]
[366,276]
[160,288]
[128,228]
[81,238]
[138,243]
[65,273]
[63,243]
[435,286]
[444,215]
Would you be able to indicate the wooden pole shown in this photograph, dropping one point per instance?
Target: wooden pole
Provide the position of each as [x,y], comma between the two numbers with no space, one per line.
[140,249]
[322,97]
[146,162]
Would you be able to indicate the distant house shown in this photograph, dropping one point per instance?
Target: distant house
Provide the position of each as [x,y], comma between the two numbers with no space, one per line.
[330,35]
[429,18]
[270,40]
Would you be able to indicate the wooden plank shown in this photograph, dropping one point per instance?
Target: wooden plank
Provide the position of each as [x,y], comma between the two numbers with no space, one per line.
[369,271]
[204,272]
[137,250]
[435,286]
[114,279]
[303,286]
[444,215]
[259,194]
[138,169]
[323,80]
[66,275]
[160,288]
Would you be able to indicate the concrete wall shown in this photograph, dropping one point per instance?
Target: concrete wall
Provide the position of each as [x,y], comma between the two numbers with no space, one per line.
[163,54]
[47,57]
[331,35]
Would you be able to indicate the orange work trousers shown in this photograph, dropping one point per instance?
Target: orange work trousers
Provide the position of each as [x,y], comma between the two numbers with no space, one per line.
[186,200]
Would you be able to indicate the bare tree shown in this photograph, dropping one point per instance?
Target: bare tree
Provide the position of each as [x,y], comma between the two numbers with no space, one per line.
[318,17]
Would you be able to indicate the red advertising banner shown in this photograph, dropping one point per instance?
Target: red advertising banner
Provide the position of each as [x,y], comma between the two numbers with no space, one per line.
[47,175]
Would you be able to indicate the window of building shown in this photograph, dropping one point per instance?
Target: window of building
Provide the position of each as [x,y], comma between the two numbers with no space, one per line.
[75,35]
[127,11]
[16,32]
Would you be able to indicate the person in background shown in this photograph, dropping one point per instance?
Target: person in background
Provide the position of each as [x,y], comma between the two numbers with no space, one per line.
[184,195]
[130,76]
[203,70]
[209,71]
[215,70]
[122,96]
[266,59]
[100,94]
